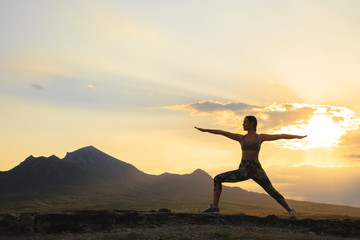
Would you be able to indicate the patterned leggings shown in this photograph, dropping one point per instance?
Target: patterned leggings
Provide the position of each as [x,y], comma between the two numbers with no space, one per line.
[248,169]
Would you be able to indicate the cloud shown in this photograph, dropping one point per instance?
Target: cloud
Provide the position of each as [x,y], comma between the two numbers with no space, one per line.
[271,118]
[355,157]
[227,114]
[37,86]
[209,107]
[30,66]
[325,124]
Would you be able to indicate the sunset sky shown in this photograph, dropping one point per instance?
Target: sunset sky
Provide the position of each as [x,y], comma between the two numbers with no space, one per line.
[133,78]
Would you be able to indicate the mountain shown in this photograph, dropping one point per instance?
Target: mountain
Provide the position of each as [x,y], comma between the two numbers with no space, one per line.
[90,178]
[85,166]
[40,173]
[92,173]
[100,165]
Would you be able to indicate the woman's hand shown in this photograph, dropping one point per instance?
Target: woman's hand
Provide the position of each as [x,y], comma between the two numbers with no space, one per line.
[200,129]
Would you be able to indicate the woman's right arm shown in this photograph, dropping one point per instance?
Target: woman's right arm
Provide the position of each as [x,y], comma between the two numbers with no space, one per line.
[233,136]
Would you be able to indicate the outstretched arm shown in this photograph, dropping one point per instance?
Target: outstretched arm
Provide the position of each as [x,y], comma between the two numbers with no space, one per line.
[272,137]
[233,136]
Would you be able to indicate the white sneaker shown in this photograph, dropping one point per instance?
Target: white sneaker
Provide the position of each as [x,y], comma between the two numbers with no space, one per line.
[292,214]
[211,210]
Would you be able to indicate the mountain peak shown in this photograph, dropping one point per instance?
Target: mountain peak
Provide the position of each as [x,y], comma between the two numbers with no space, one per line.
[200,172]
[31,159]
[85,154]
[98,163]
[87,149]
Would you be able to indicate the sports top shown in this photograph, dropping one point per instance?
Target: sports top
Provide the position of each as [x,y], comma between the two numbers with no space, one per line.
[252,145]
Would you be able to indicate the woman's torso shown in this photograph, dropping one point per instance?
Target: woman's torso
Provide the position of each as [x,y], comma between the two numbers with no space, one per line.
[250,146]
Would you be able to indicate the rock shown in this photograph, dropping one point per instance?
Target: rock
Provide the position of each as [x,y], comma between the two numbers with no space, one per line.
[79,221]
[271,218]
[26,223]
[96,221]
[9,224]
[164,210]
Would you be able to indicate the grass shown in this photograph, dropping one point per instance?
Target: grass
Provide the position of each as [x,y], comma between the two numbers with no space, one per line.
[226,235]
[38,202]
[221,235]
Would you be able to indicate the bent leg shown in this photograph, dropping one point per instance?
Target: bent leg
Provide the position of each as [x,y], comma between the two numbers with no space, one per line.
[231,176]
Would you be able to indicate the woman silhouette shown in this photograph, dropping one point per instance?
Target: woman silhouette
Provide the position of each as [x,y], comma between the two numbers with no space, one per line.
[250,166]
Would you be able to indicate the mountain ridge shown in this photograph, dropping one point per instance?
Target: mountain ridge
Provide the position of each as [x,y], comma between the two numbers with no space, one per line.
[90,178]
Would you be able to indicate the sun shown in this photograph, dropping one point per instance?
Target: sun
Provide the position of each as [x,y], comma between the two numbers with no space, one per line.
[324,130]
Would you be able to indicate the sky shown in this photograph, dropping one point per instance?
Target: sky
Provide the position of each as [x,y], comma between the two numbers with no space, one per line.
[133,78]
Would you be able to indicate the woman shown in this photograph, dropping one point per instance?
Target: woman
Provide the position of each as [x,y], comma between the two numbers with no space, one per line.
[250,166]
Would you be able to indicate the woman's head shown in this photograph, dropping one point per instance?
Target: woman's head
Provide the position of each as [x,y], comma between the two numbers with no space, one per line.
[251,120]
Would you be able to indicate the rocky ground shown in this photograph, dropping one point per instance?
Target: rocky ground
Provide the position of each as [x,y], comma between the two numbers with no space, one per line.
[162,224]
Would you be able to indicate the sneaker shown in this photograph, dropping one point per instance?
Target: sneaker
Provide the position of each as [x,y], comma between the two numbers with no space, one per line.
[211,210]
[292,214]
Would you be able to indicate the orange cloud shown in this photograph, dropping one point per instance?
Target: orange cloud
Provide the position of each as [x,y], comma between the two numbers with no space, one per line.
[324,124]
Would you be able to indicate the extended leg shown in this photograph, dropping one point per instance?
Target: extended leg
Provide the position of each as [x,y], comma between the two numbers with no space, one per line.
[284,204]
[265,183]
[263,180]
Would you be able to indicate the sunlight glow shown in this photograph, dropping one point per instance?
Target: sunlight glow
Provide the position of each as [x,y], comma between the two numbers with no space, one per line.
[323,131]
[324,128]
[323,124]
[316,165]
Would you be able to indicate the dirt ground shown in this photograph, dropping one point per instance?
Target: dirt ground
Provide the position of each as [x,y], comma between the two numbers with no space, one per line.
[184,232]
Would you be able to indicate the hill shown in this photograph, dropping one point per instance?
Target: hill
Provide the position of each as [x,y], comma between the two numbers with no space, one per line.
[91,179]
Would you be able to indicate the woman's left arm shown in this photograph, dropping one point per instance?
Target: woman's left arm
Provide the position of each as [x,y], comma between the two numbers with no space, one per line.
[272,137]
